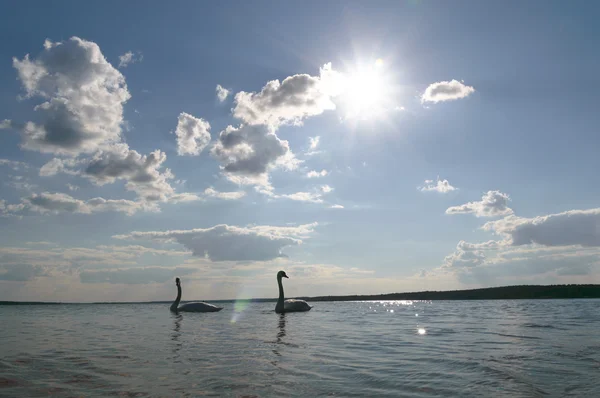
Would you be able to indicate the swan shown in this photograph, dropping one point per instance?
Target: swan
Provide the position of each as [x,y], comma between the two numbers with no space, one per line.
[191,307]
[283,305]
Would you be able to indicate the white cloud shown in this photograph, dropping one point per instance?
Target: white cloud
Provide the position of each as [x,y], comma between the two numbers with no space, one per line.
[56,203]
[288,102]
[14,164]
[231,243]
[316,174]
[573,227]
[84,98]
[222,93]
[5,124]
[57,165]
[247,153]
[326,188]
[312,197]
[183,197]
[492,204]
[441,186]
[129,58]
[72,187]
[211,192]
[469,255]
[496,263]
[446,91]
[47,202]
[559,247]
[119,205]
[336,207]
[314,142]
[140,171]
[193,134]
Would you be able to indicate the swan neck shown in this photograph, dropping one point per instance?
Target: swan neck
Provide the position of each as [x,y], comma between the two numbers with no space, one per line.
[281,299]
[177,300]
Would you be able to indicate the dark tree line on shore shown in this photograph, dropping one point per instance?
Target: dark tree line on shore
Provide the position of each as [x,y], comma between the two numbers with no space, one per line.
[491,293]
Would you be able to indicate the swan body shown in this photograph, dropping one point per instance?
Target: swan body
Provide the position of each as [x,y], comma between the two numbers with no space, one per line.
[198,307]
[191,307]
[289,305]
[292,305]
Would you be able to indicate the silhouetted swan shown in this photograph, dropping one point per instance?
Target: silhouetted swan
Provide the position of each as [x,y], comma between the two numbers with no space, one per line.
[291,305]
[191,307]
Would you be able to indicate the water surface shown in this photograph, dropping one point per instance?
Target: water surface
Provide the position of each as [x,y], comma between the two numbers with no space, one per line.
[506,348]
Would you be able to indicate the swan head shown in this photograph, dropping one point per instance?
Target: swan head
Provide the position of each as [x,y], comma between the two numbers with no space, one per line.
[177,281]
[281,274]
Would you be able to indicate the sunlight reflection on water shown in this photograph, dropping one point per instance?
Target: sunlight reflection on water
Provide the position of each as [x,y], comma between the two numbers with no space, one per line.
[468,348]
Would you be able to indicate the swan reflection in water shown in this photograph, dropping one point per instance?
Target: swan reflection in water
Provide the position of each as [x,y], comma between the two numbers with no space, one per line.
[176,335]
[280,335]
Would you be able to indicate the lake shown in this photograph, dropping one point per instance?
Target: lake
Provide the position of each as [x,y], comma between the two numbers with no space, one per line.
[508,348]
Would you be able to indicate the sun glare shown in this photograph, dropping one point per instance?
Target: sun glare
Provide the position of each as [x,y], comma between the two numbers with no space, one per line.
[366,91]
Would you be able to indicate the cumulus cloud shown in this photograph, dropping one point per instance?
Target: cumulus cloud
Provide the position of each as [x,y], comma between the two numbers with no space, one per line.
[57,165]
[468,255]
[563,245]
[247,153]
[5,124]
[492,204]
[573,227]
[316,174]
[446,91]
[288,102]
[222,93]
[193,134]
[133,276]
[211,192]
[230,243]
[314,142]
[129,58]
[47,202]
[142,172]
[441,186]
[84,98]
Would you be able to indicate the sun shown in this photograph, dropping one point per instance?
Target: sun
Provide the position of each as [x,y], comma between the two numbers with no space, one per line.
[365,94]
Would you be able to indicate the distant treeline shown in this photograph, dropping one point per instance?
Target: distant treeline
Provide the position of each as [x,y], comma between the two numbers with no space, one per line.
[490,293]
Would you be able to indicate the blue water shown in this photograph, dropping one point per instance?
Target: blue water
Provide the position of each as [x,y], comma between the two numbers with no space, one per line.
[344,349]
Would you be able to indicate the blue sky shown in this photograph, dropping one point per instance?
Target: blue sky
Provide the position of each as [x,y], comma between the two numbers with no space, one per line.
[457,147]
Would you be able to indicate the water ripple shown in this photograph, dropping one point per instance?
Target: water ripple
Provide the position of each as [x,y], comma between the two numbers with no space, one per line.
[354,349]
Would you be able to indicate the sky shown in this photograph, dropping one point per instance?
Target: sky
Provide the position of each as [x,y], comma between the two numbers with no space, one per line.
[363,148]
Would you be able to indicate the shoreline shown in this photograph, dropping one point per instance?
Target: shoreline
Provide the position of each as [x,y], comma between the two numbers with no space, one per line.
[518,292]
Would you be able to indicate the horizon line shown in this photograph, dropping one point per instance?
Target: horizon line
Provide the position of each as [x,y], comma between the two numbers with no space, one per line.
[346,297]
